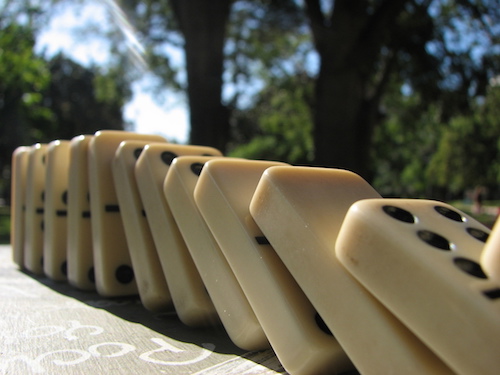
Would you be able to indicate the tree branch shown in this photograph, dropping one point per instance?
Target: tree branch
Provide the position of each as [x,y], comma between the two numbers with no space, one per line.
[317,20]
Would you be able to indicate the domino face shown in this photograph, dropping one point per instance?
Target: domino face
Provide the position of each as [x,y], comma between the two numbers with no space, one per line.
[223,194]
[421,259]
[490,258]
[79,248]
[231,304]
[18,198]
[300,211]
[56,210]
[113,270]
[153,289]
[35,191]
[189,296]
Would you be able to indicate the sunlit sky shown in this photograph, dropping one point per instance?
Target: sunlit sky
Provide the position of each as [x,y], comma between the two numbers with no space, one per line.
[169,119]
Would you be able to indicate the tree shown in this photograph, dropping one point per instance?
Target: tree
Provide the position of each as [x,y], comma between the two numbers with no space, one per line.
[45,100]
[280,123]
[468,154]
[84,100]
[199,27]
[440,49]
[268,48]
[363,43]
[203,25]
[23,77]
[403,144]
[245,29]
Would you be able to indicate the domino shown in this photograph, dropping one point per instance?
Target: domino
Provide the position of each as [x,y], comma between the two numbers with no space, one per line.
[151,283]
[35,185]
[300,211]
[235,312]
[113,270]
[293,327]
[18,203]
[79,237]
[55,213]
[490,258]
[420,258]
[189,296]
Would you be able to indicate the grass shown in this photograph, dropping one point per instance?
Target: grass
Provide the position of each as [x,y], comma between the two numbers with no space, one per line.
[488,214]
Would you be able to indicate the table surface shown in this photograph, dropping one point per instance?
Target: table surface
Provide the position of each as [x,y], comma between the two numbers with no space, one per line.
[49,327]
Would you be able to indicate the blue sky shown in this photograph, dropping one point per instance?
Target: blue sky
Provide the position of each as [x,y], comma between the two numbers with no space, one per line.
[170,118]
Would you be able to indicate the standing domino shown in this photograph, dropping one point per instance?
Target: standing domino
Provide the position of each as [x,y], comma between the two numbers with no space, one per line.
[420,258]
[55,214]
[490,258]
[35,190]
[300,210]
[233,308]
[79,249]
[153,289]
[291,324]
[189,296]
[18,206]
[113,270]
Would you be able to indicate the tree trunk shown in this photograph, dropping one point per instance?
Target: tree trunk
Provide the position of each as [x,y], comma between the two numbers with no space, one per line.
[347,94]
[339,119]
[203,24]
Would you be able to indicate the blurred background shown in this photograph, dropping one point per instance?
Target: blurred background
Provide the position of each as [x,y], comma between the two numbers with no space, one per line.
[406,93]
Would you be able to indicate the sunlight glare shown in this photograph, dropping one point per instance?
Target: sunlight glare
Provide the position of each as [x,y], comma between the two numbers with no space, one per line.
[134,46]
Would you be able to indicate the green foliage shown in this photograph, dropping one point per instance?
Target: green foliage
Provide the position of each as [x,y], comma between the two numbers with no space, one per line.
[268,46]
[416,154]
[18,64]
[469,150]
[106,89]
[82,99]
[23,75]
[266,38]
[45,100]
[423,65]
[282,116]
[403,145]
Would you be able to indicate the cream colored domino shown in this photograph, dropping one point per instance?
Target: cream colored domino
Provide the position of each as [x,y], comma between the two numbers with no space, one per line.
[113,270]
[420,258]
[151,283]
[291,324]
[35,190]
[79,241]
[55,215]
[490,258]
[18,206]
[231,304]
[189,296]
[300,211]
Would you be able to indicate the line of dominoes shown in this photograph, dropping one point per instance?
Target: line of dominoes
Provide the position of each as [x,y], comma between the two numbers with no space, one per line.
[310,261]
